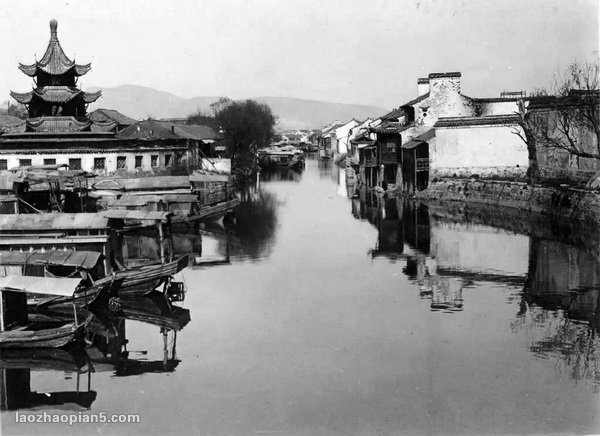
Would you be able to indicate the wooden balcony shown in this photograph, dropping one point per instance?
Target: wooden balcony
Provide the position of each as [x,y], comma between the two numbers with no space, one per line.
[389,157]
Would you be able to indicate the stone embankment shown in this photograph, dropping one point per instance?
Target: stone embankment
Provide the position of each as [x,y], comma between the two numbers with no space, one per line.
[563,202]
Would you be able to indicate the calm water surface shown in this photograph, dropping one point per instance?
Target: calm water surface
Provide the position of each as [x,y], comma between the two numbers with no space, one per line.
[364,316]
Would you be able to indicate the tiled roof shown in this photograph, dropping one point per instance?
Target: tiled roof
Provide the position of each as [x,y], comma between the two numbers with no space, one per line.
[148,129]
[54,61]
[425,137]
[153,129]
[102,115]
[195,131]
[10,124]
[394,114]
[390,128]
[55,94]
[416,100]
[443,75]
[107,126]
[476,121]
[57,124]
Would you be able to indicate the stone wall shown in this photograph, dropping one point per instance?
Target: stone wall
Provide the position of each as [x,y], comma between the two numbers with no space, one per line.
[570,203]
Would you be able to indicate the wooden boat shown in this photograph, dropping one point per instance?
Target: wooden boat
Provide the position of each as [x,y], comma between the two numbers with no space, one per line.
[133,281]
[202,196]
[17,331]
[286,157]
[42,338]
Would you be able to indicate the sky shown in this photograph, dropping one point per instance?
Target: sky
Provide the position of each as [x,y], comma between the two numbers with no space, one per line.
[347,51]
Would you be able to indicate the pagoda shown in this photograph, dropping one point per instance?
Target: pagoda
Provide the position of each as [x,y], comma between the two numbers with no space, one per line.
[56,104]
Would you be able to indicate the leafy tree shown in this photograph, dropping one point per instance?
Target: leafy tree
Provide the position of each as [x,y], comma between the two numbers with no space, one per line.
[247,125]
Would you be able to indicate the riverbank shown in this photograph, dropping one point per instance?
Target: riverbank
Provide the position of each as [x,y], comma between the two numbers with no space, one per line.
[562,202]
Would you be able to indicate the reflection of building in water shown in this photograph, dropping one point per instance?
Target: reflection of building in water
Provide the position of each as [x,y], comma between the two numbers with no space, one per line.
[281,174]
[443,256]
[562,294]
[16,368]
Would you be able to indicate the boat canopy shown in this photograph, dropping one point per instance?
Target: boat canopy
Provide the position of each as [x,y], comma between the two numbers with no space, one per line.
[138,215]
[142,183]
[64,287]
[143,200]
[53,222]
[77,259]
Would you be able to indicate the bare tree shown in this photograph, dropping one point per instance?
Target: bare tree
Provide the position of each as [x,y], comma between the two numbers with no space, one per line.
[568,119]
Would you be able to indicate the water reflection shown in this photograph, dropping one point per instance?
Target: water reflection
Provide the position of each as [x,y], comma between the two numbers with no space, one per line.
[554,269]
[107,350]
[281,174]
[17,389]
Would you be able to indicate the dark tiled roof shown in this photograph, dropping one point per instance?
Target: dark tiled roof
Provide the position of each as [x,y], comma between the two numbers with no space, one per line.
[476,121]
[425,137]
[390,128]
[11,124]
[443,75]
[148,129]
[153,129]
[422,80]
[103,115]
[195,131]
[416,100]
[394,114]
[54,61]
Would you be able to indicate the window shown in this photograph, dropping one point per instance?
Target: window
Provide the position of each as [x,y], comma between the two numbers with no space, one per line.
[75,164]
[121,162]
[49,161]
[99,163]
[168,158]
[24,162]
[138,161]
[154,160]
[390,146]
[3,164]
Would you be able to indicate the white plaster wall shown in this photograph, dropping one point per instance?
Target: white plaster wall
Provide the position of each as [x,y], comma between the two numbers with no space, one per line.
[341,134]
[477,146]
[87,159]
[499,108]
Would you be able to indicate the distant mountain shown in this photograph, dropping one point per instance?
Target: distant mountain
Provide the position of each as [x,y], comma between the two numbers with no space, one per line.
[293,113]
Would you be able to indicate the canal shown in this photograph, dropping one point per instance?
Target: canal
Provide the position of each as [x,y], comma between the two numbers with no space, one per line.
[364,316]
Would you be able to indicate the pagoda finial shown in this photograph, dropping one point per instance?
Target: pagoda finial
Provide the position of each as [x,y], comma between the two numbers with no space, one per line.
[53,26]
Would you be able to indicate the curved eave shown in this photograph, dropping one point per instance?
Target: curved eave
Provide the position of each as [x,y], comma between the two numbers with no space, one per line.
[22,97]
[60,94]
[29,70]
[90,97]
[55,69]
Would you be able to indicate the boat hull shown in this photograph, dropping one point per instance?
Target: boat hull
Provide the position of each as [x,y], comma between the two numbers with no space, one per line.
[45,338]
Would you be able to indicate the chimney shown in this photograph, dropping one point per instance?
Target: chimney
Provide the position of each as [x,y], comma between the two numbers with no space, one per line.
[422,86]
[444,83]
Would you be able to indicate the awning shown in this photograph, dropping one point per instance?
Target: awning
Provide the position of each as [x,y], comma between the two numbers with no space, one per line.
[138,215]
[412,144]
[63,287]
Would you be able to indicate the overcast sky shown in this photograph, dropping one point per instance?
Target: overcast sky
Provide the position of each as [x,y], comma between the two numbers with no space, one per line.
[366,52]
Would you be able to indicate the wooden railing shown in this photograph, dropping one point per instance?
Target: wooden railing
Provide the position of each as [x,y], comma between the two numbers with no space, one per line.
[389,157]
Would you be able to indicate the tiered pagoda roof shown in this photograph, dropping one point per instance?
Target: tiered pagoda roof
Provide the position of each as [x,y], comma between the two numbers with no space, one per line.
[56,104]
[54,62]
